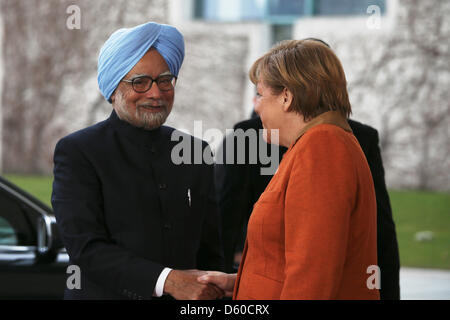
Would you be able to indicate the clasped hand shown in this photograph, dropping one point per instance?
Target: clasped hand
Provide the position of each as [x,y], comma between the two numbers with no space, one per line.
[223,281]
[199,285]
[183,285]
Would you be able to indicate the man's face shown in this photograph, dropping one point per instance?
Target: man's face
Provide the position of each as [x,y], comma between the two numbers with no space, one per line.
[148,110]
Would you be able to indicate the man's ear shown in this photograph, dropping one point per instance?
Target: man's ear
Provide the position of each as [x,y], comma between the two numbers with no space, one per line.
[288,97]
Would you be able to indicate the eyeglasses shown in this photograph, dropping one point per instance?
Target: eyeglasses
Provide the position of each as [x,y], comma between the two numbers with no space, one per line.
[141,84]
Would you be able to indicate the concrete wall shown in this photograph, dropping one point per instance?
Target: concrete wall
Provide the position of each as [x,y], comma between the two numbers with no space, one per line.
[214,88]
[398,76]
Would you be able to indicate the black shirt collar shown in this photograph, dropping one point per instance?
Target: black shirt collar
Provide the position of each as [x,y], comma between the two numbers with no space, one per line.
[139,136]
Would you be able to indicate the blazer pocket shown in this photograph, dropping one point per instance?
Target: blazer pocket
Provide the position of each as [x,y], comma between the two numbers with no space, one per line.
[258,287]
[193,202]
[266,234]
[272,196]
[196,202]
[194,215]
[270,207]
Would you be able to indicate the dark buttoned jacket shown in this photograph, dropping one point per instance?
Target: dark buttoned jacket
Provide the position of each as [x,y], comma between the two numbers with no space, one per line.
[126,208]
[240,185]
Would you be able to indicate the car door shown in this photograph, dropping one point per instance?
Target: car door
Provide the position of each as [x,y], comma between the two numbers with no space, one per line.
[23,272]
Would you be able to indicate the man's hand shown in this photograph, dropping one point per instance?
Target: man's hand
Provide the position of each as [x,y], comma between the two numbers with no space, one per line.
[224,281]
[183,285]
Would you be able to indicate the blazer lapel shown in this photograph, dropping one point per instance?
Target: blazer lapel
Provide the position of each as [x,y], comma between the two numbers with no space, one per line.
[238,277]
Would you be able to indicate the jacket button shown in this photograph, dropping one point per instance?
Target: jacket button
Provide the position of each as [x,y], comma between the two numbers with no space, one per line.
[162,186]
[167,226]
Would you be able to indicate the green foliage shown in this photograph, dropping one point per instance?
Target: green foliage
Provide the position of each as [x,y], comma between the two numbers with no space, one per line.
[416,211]
[38,186]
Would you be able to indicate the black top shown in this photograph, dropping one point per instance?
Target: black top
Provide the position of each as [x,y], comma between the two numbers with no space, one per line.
[123,209]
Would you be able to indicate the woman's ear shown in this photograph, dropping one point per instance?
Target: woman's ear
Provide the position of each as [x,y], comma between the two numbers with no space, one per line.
[287,99]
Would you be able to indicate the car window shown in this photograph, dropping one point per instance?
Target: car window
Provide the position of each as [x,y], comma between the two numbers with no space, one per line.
[16,221]
[7,234]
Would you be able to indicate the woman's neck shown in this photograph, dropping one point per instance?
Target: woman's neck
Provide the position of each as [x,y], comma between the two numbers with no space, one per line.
[291,129]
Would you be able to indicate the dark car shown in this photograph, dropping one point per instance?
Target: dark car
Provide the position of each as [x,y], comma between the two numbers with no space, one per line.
[33,261]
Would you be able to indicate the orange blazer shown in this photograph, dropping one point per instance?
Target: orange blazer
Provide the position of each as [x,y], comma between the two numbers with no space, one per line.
[312,233]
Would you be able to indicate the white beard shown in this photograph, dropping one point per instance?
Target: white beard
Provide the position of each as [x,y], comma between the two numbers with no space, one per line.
[141,119]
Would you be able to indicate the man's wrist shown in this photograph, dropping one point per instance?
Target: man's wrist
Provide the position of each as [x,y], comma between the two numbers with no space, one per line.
[160,283]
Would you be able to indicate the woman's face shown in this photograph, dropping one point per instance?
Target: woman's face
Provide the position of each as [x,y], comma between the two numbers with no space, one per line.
[269,107]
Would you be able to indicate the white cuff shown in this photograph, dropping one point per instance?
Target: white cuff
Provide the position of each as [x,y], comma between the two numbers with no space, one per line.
[159,288]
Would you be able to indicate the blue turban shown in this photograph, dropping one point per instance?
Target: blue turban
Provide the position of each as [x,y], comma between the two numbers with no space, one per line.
[125,47]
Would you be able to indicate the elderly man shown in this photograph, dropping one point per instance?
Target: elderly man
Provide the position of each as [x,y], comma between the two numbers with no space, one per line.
[136,224]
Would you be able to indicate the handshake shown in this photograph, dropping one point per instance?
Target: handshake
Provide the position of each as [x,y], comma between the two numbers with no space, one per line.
[199,285]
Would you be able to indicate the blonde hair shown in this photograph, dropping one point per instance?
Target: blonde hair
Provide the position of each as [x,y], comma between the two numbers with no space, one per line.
[311,71]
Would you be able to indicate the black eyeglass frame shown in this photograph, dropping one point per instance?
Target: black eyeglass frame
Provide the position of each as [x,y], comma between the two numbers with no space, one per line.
[173,82]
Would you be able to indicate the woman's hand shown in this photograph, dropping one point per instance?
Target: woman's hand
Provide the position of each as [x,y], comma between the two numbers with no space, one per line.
[183,285]
[224,281]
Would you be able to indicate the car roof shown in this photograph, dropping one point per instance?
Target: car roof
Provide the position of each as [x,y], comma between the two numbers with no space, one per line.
[6,184]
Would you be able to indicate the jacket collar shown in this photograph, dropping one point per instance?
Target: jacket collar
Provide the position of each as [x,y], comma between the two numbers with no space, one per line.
[329,117]
[136,135]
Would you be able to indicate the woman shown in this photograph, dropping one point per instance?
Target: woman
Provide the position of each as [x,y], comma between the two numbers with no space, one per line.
[312,233]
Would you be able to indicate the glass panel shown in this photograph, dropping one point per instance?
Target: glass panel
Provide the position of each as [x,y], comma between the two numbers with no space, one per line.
[199,9]
[221,10]
[236,10]
[253,9]
[281,32]
[286,7]
[346,7]
[7,234]
[15,217]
